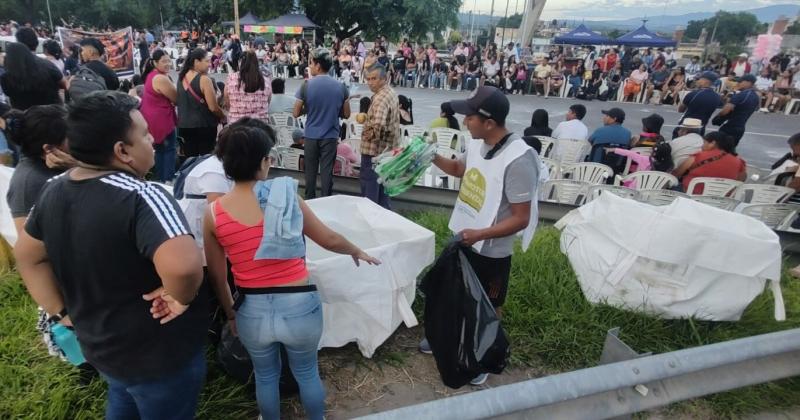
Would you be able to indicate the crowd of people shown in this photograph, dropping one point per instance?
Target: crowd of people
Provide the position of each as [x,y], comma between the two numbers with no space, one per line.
[79,193]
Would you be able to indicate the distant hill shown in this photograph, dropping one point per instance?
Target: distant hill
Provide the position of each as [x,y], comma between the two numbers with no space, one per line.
[667,23]
[766,14]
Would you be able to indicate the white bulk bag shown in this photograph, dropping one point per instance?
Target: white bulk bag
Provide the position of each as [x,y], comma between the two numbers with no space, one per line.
[683,260]
[7,228]
[366,304]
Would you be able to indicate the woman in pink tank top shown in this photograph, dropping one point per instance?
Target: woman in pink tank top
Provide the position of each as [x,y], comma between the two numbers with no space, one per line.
[158,109]
[276,304]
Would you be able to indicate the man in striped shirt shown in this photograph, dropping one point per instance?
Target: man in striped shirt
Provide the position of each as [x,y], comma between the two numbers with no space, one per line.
[111,254]
[381,132]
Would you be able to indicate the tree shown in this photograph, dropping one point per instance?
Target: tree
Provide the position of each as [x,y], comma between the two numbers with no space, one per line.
[513,21]
[733,28]
[615,33]
[454,38]
[793,29]
[391,18]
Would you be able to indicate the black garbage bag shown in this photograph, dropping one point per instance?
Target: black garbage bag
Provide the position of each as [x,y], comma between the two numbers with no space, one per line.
[235,361]
[461,325]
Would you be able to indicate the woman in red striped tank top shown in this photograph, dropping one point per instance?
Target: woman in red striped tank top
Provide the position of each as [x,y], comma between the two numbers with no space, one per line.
[279,306]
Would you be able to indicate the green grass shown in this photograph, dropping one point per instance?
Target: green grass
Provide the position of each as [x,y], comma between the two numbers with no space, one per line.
[551,326]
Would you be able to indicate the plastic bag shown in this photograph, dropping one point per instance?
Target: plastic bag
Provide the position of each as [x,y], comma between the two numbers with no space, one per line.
[399,171]
[461,325]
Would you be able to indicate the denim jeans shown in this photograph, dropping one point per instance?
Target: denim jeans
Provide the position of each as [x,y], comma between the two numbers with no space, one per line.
[173,397]
[166,156]
[370,188]
[319,155]
[294,320]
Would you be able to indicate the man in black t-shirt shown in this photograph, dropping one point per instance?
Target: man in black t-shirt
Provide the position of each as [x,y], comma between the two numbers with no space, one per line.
[111,254]
[92,51]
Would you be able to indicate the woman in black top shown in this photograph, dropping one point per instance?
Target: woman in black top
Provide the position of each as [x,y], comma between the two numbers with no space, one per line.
[29,80]
[198,110]
[540,121]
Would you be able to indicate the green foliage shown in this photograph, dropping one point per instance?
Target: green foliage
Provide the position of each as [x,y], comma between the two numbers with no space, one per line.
[793,29]
[392,18]
[615,33]
[733,28]
[513,21]
[454,38]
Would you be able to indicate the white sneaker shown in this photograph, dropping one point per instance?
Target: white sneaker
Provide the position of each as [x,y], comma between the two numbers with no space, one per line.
[480,379]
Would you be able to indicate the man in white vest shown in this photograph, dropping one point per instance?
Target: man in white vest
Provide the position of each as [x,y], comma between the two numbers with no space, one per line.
[498,194]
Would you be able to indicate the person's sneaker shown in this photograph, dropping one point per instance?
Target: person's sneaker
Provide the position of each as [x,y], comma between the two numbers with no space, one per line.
[480,379]
[425,346]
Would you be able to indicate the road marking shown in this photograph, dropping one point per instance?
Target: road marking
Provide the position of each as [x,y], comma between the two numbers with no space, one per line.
[747,132]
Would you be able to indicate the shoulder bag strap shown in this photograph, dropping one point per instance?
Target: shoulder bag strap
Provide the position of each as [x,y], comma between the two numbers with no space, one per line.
[707,161]
[188,88]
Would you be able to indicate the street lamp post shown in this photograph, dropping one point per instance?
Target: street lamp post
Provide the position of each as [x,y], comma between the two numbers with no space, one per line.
[236,18]
[503,36]
[50,15]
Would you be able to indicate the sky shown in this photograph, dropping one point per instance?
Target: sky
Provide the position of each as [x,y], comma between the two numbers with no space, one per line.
[617,9]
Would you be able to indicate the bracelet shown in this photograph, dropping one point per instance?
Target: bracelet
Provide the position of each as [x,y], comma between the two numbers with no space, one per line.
[58,317]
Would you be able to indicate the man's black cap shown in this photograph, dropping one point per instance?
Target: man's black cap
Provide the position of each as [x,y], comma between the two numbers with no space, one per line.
[486,101]
[616,114]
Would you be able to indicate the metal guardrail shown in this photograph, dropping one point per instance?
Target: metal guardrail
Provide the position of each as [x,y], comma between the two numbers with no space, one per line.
[622,388]
[427,198]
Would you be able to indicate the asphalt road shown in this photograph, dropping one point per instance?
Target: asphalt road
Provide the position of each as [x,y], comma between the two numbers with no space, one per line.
[763,143]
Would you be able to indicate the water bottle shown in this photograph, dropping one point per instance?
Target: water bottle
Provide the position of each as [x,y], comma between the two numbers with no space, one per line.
[67,341]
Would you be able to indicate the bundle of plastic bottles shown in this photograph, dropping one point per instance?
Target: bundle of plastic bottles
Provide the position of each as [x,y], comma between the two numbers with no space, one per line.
[400,169]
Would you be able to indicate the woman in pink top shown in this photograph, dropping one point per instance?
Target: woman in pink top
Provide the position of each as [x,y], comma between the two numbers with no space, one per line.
[247,94]
[158,109]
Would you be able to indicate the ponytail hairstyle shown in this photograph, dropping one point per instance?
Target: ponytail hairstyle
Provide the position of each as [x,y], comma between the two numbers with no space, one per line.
[194,55]
[661,158]
[39,126]
[150,64]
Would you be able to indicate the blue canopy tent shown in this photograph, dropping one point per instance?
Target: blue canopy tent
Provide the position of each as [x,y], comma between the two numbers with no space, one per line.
[641,37]
[582,36]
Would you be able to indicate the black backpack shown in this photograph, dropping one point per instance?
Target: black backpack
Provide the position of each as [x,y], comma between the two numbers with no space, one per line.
[183,172]
[85,81]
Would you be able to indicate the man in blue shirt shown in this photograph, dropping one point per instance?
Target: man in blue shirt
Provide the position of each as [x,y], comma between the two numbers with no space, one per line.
[323,99]
[739,109]
[611,133]
[700,103]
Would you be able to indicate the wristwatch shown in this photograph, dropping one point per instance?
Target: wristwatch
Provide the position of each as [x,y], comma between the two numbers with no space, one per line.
[57,317]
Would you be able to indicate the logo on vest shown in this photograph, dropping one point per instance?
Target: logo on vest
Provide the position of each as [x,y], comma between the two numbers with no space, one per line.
[473,189]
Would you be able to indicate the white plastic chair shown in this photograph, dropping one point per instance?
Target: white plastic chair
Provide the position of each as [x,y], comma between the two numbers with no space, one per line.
[659,197]
[564,191]
[553,166]
[447,138]
[571,150]
[342,166]
[596,190]
[718,187]
[411,131]
[354,130]
[290,158]
[284,136]
[773,215]
[593,173]
[649,180]
[282,119]
[547,145]
[763,194]
[724,203]
[301,122]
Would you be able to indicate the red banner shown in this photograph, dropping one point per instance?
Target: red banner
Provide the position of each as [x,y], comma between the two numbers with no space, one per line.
[118,45]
